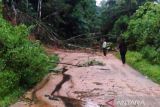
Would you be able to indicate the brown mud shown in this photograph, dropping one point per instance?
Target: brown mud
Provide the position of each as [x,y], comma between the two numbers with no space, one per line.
[93,86]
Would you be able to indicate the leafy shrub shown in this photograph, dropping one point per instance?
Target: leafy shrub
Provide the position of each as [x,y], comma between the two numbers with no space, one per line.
[29,62]
[26,59]
[2,65]
[120,25]
[151,54]
[8,81]
[11,98]
[143,28]
[22,62]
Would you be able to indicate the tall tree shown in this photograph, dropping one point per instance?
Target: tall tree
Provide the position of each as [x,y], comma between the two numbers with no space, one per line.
[66,18]
[114,9]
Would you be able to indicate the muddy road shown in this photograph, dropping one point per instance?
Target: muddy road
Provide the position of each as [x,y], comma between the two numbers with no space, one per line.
[95,81]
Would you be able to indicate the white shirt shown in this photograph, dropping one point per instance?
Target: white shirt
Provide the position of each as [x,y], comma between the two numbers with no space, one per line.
[104,45]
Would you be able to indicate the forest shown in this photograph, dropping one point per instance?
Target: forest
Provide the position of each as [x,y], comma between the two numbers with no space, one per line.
[23,63]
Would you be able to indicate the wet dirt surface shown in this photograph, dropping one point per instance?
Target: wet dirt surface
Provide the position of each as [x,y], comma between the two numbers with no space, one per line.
[94,86]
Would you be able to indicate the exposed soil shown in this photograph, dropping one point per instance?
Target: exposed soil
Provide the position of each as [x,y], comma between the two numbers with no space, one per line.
[93,86]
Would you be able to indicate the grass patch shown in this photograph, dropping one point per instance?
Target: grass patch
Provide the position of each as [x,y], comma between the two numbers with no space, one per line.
[136,60]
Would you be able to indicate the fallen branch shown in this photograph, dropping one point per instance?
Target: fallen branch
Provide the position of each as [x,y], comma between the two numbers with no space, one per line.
[66,64]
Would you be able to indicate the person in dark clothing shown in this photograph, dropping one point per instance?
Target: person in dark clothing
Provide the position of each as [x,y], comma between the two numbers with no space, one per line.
[123,50]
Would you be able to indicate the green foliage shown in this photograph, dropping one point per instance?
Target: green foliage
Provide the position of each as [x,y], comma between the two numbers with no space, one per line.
[144,27]
[11,98]
[66,18]
[30,62]
[8,81]
[120,26]
[112,10]
[22,63]
[85,12]
[143,32]
[151,54]
[20,55]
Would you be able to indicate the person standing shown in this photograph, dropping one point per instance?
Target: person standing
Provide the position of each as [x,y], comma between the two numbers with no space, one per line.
[104,47]
[123,50]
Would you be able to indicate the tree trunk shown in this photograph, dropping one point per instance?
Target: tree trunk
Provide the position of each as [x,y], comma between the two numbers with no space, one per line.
[9,11]
[27,5]
[39,9]
[14,21]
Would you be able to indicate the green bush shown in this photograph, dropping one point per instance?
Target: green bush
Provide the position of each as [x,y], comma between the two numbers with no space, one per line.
[120,25]
[2,64]
[22,63]
[143,28]
[151,54]
[8,81]
[28,60]
[11,98]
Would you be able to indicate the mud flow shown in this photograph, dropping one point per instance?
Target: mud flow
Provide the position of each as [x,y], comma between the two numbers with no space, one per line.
[92,81]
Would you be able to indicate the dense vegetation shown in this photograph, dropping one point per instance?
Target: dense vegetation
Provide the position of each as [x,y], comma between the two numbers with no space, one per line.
[57,18]
[22,63]
[143,33]
[116,13]
[68,18]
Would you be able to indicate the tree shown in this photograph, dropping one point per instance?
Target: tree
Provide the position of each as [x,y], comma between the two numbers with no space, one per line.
[65,17]
[114,9]
[143,28]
